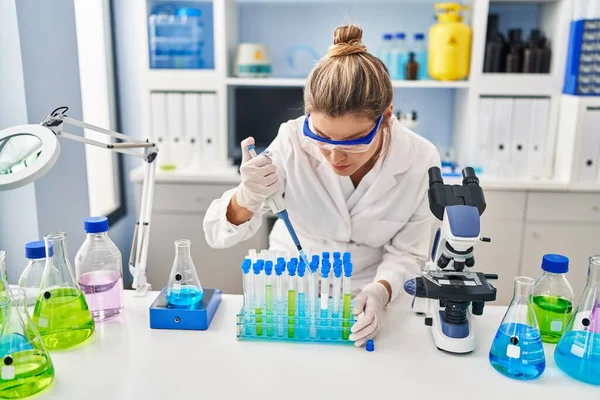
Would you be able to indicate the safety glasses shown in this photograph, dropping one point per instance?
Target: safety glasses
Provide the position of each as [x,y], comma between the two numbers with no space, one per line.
[358,145]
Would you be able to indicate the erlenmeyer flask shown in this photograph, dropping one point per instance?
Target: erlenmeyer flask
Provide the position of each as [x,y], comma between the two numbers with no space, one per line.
[184,289]
[61,313]
[25,365]
[517,350]
[578,352]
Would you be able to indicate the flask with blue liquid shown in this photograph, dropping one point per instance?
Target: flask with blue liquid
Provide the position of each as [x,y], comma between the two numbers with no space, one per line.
[184,289]
[578,351]
[517,350]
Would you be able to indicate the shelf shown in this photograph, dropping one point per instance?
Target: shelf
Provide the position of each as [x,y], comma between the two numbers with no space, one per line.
[299,82]
[518,84]
[182,79]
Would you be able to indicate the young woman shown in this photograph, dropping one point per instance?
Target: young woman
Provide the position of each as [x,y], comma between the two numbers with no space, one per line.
[354,180]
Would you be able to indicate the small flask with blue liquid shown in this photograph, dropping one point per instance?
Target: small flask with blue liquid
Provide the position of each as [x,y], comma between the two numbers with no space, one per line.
[184,289]
[578,351]
[517,350]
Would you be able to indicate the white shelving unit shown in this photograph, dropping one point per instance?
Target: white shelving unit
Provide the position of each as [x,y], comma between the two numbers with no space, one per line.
[553,18]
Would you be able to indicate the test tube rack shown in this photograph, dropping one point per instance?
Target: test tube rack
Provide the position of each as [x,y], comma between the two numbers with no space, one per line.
[279,326]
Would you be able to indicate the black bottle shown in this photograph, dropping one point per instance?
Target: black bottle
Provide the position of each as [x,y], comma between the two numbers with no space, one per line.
[516,48]
[412,68]
[496,47]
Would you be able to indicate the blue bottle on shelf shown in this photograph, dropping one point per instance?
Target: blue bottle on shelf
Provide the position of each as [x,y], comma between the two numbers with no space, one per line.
[420,50]
[399,57]
[385,51]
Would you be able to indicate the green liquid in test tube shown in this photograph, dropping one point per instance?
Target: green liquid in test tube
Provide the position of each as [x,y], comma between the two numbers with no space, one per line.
[269,296]
[347,300]
[259,294]
[291,299]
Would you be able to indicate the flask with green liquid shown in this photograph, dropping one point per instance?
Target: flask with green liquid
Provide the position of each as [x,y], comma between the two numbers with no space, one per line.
[61,313]
[553,298]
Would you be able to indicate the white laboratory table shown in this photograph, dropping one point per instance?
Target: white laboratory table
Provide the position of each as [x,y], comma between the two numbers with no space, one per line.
[126,360]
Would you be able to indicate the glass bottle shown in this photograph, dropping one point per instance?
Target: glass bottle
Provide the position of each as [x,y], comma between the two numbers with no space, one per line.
[420,49]
[385,51]
[398,57]
[61,313]
[26,367]
[578,351]
[31,278]
[412,68]
[517,350]
[553,298]
[184,289]
[99,270]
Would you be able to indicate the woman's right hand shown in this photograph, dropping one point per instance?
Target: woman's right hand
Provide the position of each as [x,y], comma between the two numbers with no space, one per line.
[259,179]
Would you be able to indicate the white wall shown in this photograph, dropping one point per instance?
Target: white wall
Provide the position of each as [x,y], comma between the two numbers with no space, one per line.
[18,214]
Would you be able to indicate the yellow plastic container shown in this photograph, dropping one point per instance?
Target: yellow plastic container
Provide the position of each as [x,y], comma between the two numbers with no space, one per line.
[449,50]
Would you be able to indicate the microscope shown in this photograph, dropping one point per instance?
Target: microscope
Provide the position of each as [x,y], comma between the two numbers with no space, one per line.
[447,292]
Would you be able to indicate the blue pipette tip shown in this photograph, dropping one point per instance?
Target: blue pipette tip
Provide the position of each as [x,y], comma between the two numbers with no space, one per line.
[370,345]
[336,255]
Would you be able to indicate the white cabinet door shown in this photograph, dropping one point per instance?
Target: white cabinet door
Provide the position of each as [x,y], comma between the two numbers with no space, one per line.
[575,240]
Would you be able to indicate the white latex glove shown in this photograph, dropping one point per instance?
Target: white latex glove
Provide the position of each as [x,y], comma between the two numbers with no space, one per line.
[259,179]
[368,306]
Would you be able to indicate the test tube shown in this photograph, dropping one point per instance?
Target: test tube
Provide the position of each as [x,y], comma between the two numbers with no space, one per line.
[337,287]
[301,299]
[248,295]
[347,300]
[269,296]
[324,296]
[291,298]
[280,287]
[313,295]
[258,296]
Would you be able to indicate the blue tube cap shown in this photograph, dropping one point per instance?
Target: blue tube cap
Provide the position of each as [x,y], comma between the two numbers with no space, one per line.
[346,256]
[555,263]
[36,250]
[419,36]
[387,36]
[370,345]
[268,267]
[95,225]
[400,35]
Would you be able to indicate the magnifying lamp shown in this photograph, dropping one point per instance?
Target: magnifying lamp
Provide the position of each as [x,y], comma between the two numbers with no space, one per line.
[27,152]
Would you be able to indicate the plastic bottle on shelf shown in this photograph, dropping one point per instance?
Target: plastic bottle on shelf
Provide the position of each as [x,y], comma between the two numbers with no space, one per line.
[99,270]
[578,351]
[553,298]
[517,350]
[399,57]
[420,50]
[385,51]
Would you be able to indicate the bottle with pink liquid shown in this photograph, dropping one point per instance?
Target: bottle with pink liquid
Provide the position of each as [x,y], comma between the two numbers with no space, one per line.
[99,271]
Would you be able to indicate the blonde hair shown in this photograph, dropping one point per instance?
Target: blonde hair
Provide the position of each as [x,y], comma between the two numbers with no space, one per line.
[349,80]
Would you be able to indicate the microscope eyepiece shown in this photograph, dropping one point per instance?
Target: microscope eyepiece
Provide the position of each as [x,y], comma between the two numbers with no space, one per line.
[469,177]
[435,176]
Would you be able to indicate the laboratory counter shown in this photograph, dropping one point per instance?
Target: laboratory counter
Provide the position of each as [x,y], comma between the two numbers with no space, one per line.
[126,360]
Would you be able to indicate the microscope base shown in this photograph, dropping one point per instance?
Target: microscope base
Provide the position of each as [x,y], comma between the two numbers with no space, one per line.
[457,339]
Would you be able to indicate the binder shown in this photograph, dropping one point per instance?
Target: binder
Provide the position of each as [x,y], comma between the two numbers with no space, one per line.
[193,134]
[485,131]
[208,122]
[501,144]
[590,141]
[540,109]
[521,137]
[175,128]
[158,128]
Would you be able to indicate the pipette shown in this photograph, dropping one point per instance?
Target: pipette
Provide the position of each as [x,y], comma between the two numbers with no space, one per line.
[276,204]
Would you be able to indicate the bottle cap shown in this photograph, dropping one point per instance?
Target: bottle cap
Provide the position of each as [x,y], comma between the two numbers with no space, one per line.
[555,263]
[268,268]
[257,268]
[291,269]
[301,269]
[348,270]
[336,255]
[400,35]
[95,225]
[387,36]
[419,36]
[36,250]
[314,266]
[279,269]
[370,345]
[346,256]
[294,260]
[190,12]
[325,255]
[314,258]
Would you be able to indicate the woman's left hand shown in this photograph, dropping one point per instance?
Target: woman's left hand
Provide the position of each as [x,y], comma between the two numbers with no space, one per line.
[368,306]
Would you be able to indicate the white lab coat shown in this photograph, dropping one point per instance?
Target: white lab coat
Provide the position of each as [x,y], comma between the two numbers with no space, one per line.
[385,222]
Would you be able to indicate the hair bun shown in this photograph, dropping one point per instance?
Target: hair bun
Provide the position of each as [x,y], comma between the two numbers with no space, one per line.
[347,40]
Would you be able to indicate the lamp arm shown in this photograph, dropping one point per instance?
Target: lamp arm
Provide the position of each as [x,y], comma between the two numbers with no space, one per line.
[139,246]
